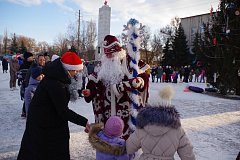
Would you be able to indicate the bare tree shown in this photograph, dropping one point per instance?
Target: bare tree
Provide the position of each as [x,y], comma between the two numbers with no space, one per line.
[1,43]
[83,38]
[156,45]
[42,47]
[6,42]
[88,36]
[91,35]
[61,44]
[146,42]
[29,43]
[122,40]
[72,34]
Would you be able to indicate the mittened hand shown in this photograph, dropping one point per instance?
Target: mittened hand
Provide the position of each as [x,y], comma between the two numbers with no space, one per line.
[86,92]
[137,82]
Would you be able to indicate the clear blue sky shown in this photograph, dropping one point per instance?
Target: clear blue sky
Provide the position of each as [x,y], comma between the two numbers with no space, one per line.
[44,20]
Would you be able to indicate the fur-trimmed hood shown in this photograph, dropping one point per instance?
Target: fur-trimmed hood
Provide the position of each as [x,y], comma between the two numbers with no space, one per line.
[102,145]
[165,116]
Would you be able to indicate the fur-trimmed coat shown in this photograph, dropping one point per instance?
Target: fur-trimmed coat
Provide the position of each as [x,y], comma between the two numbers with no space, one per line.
[160,135]
[107,148]
[115,100]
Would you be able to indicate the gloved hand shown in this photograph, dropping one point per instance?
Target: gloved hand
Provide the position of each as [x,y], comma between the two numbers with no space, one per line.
[86,92]
[137,82]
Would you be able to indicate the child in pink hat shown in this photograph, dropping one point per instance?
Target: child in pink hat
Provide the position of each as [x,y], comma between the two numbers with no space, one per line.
[107,141]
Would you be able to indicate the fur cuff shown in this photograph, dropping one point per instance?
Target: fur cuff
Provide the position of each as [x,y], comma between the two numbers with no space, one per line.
[159,115]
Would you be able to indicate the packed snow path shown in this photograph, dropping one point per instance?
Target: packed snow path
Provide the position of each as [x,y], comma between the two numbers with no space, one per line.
[212,124]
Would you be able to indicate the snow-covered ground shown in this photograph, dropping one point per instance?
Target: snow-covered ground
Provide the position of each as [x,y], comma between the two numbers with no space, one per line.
[212,124]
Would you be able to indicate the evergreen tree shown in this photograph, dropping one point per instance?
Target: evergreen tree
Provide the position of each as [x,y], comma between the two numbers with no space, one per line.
[22,48]
[197,48]
[14,46]
[199,58]
[181,52]
[168,58]
[223,48]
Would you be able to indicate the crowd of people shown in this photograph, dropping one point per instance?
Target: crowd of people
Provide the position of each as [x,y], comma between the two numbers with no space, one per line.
[165,74]
[48,84]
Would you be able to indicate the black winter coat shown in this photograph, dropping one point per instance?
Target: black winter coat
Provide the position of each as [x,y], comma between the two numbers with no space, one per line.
[46,136]
[4,64]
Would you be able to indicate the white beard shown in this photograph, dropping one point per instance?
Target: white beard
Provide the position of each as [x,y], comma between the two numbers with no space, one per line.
[111,70]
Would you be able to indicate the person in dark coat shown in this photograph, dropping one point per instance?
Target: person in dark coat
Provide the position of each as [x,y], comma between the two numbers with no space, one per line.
[46,136]
[14,66]
[153,72]
[40,61]
[4,65]
[186,74]
[22,72]
[47,57]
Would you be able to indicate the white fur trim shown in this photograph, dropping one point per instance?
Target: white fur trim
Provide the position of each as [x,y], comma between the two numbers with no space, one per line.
[145,67]
[134,113]
[112,44]
[131,126]
[113,103]
[73,67]
[93,78]
[115,90]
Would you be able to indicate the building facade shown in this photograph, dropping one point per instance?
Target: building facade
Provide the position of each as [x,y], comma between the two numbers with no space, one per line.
[104,20]
[192,25]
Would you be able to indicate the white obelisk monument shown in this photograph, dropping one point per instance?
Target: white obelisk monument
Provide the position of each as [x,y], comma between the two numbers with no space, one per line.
[104,19]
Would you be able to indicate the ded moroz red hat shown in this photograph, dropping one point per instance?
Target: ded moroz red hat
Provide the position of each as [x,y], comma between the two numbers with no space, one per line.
[111,45]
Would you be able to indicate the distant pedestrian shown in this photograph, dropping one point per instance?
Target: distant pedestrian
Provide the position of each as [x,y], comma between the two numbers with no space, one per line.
[47,57]
[202,76]
[197,73]
[186,74]
[153,72]
[159,73]
[181,73]
[4,65]
[22,73]
[174,76]
[14,67]
[164,77]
